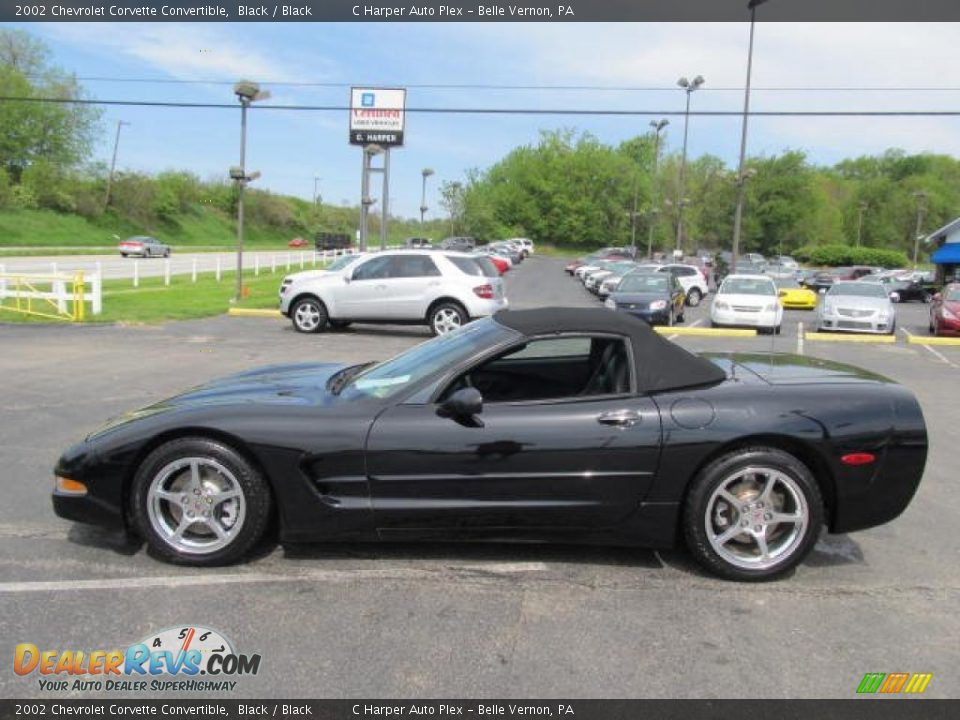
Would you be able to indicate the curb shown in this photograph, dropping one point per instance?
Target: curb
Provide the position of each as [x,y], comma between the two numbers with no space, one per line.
[931,340]
[705,332]
[851,338]
[254,312]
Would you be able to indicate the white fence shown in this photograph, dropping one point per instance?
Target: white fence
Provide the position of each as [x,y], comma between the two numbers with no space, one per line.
[55,295]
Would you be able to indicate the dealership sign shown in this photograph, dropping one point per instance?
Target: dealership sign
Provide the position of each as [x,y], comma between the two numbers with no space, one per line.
[376,116]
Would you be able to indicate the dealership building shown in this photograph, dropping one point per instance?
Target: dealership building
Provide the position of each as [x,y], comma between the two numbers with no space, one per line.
[945,253]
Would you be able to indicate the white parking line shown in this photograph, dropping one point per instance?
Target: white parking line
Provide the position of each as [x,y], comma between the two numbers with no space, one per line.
[331,576]
[930,349]
[693,324]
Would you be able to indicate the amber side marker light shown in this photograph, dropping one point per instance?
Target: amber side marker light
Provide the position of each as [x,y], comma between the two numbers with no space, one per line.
[68,486]
[858,459]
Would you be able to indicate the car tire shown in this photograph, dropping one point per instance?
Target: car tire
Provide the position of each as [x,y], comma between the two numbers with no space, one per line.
[752,485]
[308,315]
[694,297]
[200,478]
[166,253]
[447,316]
[123,255]
[339,324]
[680,318]
[776,330]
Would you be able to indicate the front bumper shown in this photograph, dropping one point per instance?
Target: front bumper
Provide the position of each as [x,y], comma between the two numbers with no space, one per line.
[842,323]
[653,317]
[735,318]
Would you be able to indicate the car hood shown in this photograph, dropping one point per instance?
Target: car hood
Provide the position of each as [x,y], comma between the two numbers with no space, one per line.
[858,303]
[792,369]
[639,297]
[747,300]
[294,384]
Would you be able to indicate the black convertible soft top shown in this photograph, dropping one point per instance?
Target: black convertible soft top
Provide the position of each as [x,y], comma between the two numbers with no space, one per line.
[661,365]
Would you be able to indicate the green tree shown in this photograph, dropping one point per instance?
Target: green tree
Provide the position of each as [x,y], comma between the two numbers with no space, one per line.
[60,133]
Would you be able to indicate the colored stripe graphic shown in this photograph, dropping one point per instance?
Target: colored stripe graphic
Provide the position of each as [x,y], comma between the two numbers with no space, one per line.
[871,683]
[893,683]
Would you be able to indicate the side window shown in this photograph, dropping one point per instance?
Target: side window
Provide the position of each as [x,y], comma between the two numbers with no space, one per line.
[686,272]
[556,368]
[375,269]
[408,266]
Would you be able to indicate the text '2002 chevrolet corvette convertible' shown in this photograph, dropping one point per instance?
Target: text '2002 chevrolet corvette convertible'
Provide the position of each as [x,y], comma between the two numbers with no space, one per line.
[574,425]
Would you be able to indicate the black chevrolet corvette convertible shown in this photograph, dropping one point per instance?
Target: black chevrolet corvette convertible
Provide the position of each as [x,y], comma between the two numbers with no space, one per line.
[560,424]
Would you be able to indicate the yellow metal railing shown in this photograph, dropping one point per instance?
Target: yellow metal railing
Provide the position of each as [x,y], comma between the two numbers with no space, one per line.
[55,296]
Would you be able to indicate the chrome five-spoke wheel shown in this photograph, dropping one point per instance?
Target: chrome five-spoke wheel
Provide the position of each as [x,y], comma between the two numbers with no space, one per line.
[196,505]
[199,501]
[753,513]
[755,517]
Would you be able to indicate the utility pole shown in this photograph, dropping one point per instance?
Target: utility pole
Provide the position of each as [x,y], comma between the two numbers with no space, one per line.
[861,207]
[738,214]
[920,197]
[658,126]
[688,87]
[113,163]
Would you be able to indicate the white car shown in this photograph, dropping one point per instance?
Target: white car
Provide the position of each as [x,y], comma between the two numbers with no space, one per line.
[693,282]
[525,244]
[747,300]
[442,290]
[857,307]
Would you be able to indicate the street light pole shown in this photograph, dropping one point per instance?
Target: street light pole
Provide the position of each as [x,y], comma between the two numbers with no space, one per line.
[316,195]
[861,208]
[688,87]
[113,163]
[426,172]
[738,214]
[921,209]
[657,126]
[247,92]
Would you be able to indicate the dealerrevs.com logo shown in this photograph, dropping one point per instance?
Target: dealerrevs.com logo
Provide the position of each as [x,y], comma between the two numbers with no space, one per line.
[188,659]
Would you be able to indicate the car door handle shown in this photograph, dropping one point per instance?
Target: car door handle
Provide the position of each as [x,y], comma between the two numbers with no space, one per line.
[381,287]
[619,418]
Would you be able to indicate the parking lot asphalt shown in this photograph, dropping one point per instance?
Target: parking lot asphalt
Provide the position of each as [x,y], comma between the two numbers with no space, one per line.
[431,621]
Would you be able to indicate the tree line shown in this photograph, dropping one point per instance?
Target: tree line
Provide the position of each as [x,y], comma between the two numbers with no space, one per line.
[571,189]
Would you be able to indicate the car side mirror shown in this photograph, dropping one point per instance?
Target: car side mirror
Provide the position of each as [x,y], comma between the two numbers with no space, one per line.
[346,279]
[781,293]
[463,406]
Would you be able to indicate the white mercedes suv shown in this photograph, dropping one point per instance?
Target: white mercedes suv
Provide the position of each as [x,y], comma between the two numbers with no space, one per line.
[442,290]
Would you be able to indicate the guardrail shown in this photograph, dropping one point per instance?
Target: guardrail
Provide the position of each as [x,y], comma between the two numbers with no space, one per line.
[58,296]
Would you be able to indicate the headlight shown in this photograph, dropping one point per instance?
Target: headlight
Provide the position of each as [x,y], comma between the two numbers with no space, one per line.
[721,305]
[610,303]
[772,307]
[947,314]
[658,305]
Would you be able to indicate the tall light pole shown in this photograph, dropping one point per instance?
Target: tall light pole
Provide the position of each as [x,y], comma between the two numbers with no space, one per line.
[113,163]
[426,172]
[738,214]
[658,126]
[860,209]
[689,86]
[247,92]
[921,198]
[316,192]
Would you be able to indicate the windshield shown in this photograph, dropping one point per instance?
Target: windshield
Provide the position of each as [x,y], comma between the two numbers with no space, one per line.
[388,378]
[747,286]
[858,289]
[788,284]
[644,283]
[953,295]
[341,262]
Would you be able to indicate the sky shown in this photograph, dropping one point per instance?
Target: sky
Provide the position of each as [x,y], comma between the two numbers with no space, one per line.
[635,66]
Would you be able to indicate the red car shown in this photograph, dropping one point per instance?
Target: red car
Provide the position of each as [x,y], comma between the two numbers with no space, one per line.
[297,242]
[607,254]
[945,311]
[501,264]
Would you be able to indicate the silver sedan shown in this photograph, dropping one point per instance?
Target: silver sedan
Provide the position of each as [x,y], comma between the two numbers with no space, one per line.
[857,307]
